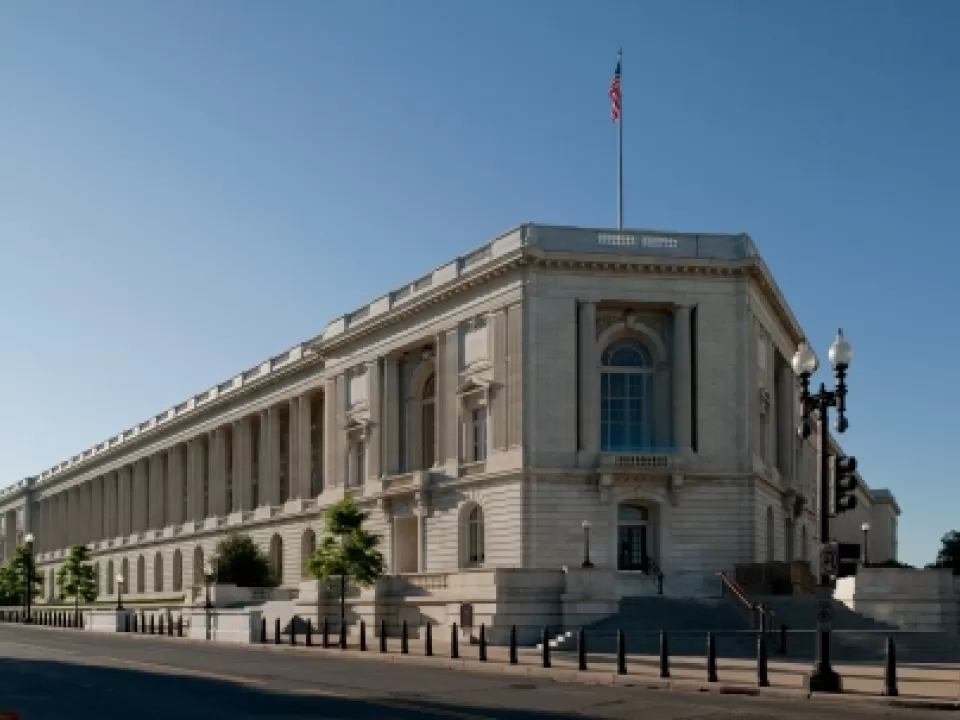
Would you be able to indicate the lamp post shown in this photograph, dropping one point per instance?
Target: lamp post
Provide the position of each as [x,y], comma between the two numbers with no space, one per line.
[823,678]
[119,580]
[866,535]
[586,544]
[28,543]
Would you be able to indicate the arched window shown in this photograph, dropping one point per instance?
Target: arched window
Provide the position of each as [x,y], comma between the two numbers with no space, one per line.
[198,569]
[626,407]
[177,570]
[276,558]
[158,572]
[632,540]
[475,537]
[141,574]
[308,543]
[110,577]
[428,417]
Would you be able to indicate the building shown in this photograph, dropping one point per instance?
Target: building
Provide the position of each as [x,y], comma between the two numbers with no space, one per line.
[556,382]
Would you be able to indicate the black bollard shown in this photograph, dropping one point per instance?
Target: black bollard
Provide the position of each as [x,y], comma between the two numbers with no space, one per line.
[170,624]
[309,639]
[513,645]
[664,655]
[160,630]
[135,623]
[762,679]
[545,648]
[152,627]
[621,653]
[293,630]
[263,629]
[582,650]
[383,636]
[276,631]
[404,647]
[783,639]
[363,636]
[483,642]
[428,641]
[711,658]
[890,671]
[126,623]
[454,642]
[342,635]
[326,634]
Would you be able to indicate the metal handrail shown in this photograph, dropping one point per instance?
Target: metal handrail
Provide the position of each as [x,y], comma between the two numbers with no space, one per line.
[758,614]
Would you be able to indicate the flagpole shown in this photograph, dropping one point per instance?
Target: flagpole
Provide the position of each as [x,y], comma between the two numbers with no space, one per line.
[620,147]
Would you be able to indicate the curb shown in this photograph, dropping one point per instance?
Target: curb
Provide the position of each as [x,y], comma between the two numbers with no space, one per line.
[559,675]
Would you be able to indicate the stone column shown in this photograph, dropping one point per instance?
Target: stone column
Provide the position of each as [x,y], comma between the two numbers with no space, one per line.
[241,465]
[269,456]
[332,461]
[96,509]
[497,414]
[304,447]
[195,470]
[682,380]
[447,413]
[374,439]
[588,370]
[217,470]
[174,486]
[390,419]
[293,450]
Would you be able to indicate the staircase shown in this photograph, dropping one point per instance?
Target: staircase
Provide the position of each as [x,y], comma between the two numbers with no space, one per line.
[685,620]
[855,637]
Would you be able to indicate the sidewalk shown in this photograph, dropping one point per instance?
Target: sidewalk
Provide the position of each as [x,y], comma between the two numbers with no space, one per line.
[927,683]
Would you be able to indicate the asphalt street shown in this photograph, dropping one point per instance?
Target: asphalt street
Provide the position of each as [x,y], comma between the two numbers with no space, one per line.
[52,674]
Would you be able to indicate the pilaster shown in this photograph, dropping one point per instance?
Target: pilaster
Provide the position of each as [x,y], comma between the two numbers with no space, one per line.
[588,367]
[682,380]
[497,414]
[390,416]
[304,451]
[375,430]
[330,431]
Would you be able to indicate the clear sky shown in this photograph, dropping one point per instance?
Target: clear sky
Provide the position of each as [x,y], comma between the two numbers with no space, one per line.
[187,188]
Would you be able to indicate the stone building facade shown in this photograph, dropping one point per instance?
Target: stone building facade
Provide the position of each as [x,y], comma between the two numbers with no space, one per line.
[636,381]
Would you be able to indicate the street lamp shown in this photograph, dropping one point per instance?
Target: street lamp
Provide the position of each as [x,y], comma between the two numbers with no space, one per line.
[119,580]
[866,534]
[823,677]
[28,542]
[586,544]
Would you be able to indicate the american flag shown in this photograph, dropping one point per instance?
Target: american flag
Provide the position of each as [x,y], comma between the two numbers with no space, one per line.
[614,94]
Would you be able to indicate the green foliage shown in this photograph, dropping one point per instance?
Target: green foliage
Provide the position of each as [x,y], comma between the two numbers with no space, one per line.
[13,578]
[238,561]
[949,555]
[347,549]
[75,578]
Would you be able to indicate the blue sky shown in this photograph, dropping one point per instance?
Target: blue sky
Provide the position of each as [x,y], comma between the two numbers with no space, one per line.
[187,188]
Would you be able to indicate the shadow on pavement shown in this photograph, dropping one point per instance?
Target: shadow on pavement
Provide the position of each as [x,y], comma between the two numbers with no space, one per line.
[48,690]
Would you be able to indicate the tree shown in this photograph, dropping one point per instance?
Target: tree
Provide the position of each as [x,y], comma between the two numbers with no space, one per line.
[949,555]
[238,560]
[76,578]
[346,549]
[13,578]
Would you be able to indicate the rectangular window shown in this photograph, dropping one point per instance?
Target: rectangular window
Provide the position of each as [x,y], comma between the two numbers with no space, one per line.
[479,427]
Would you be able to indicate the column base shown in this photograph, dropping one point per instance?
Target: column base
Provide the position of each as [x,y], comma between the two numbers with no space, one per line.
[823,680]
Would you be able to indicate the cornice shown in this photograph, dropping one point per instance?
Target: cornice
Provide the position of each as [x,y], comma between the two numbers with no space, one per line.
[508,262]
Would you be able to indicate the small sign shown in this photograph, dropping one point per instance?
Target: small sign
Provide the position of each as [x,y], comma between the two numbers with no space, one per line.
[829,560]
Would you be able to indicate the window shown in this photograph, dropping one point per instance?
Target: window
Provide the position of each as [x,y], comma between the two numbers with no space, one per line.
[475,537]
[428,423]
[478,425]
[626,417]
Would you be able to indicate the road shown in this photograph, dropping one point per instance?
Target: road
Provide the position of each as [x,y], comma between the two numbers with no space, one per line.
[50,674]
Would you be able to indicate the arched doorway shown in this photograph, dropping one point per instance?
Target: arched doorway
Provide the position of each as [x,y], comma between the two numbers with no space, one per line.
[276,558]
[633,537]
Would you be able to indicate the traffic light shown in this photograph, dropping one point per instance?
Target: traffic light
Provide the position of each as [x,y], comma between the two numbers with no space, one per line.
[844,483]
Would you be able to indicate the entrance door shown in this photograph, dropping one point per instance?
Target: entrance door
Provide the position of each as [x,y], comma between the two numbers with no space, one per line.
[632,550]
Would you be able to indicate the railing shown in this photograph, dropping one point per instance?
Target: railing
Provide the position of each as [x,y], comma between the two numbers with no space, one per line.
[760,617]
